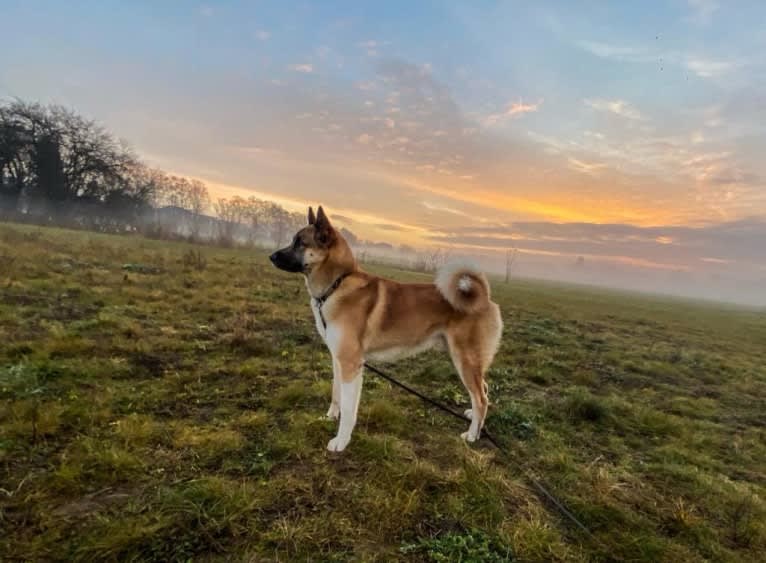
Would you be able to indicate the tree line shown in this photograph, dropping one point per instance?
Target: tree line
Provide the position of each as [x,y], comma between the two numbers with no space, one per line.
[58,167]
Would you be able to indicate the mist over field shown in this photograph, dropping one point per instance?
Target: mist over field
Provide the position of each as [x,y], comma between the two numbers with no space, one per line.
[716,284]
[714,280]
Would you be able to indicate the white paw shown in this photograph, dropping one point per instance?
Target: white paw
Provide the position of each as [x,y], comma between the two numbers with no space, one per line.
[468,414]
[333,413]
[337,444]
[469,436]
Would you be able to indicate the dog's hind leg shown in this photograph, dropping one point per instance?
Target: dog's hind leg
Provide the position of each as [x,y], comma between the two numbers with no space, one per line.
[468,413]
[479,402]
[468,365]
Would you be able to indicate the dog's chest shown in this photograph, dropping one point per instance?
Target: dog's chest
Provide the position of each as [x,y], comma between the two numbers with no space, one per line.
[318,320]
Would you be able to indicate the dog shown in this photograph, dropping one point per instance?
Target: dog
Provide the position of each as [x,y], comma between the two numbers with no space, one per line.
[361,316]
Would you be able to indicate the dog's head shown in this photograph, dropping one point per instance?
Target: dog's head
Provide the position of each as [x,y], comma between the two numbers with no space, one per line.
[310,245]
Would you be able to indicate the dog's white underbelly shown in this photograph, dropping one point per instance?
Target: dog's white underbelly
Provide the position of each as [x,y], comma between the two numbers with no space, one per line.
[399,352]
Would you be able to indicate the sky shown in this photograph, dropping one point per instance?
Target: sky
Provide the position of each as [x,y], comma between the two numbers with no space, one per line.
[631,134]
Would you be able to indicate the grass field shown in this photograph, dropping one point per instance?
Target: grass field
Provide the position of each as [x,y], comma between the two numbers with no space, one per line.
[160,401]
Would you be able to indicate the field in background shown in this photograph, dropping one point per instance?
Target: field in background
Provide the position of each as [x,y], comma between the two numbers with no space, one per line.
[164,401]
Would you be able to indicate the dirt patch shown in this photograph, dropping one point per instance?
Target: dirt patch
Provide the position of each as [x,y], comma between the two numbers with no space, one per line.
[93,503]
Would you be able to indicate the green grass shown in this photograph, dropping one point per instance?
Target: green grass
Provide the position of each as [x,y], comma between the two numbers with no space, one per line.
[172,411]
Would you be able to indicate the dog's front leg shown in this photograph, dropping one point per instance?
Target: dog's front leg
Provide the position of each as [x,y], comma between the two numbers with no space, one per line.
[334,411]
[350,392]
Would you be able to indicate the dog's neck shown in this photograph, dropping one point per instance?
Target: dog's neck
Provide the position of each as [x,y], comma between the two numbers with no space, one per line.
[321,278]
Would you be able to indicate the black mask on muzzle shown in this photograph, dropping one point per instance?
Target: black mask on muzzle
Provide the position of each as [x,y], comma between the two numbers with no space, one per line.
[286,259]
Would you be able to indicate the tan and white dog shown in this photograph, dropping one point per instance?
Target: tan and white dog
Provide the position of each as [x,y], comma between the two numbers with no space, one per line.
[361,316]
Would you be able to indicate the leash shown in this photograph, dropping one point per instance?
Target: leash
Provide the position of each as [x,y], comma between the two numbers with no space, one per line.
[537,485]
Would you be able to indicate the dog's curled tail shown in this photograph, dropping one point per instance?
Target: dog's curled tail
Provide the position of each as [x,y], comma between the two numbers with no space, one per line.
[464,286]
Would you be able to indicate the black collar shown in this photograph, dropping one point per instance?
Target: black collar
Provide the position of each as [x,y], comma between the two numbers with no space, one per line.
[326,295]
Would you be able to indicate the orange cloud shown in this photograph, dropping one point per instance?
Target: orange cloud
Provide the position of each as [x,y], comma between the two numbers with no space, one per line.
[562,207]
[513,110]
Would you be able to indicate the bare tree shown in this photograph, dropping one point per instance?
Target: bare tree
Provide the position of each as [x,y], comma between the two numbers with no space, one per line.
[198,199]
[510,258]
[255,216]
[50,156]
[94,160]
[430,260]
[21,125]
[188,198]
[277,220]
[48,167]
[56,165]
[231,213]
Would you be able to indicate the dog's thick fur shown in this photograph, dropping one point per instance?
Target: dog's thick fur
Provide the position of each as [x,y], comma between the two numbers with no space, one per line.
[372,317]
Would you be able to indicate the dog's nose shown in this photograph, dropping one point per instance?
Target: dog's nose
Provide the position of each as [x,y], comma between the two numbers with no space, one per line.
[273,258]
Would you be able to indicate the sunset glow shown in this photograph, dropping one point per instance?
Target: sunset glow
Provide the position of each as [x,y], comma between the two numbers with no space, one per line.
[416,130]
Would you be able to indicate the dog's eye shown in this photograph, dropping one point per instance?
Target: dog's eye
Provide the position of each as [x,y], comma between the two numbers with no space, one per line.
[297,243]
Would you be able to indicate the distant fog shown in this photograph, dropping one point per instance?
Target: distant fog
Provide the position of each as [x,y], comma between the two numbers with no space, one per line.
[719,282]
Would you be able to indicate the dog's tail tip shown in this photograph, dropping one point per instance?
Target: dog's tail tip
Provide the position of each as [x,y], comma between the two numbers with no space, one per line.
[464,286]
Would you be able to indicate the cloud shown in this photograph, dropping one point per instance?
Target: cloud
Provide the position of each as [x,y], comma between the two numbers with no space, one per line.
[702,11]
[699,170]
[254,150]
[585,167]
[735,241]
[262,35]
[364,139]
[444,209]
[617,52]
[206,11]
[342,218]
[699,65]
[617,107]
[305,68]
[372,46]
[389,227]
[706,68]
[512,111]
[510,176]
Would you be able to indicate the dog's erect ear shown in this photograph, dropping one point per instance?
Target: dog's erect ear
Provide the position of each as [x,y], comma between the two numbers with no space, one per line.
[325,234]
[322,222]
[321,216]
[312,217]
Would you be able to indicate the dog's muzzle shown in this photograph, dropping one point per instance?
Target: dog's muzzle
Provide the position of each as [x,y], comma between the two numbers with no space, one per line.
[286,261]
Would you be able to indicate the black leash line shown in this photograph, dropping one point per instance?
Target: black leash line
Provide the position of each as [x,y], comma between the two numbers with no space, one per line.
[542,490]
